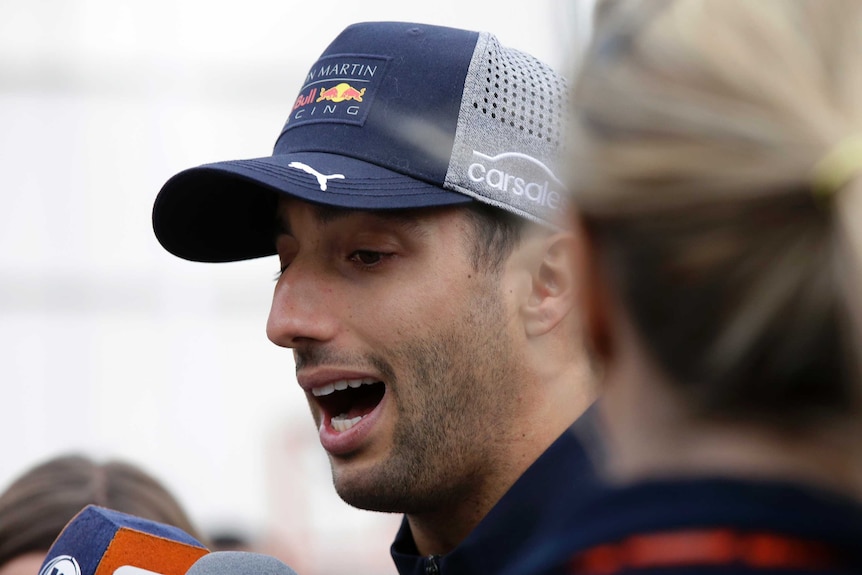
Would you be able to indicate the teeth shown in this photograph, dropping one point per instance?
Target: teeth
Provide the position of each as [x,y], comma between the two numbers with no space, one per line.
[323,390]
[340,423]
[341,386]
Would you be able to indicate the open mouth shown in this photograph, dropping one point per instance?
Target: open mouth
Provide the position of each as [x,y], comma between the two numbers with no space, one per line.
[347,401]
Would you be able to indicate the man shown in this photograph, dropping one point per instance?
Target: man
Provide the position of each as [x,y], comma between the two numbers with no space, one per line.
[424,285]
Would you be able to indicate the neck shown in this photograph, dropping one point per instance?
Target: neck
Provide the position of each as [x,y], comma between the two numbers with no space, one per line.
[652,435]
[545,415]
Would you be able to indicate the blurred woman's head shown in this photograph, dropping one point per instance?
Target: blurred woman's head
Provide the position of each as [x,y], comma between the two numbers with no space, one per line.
[716,148]
[37,505]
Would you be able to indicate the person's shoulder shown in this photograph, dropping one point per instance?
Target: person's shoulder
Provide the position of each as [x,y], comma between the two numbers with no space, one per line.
[701,525]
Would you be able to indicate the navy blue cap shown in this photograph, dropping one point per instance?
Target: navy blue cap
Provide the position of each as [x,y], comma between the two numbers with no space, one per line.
[391,116]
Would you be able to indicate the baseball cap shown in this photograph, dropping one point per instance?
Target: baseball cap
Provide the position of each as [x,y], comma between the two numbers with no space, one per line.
[393,115]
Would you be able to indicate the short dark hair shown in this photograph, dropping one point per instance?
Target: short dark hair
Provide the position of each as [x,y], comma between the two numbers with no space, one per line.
[497,233]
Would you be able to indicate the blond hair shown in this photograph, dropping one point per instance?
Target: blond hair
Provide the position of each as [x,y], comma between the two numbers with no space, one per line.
[698,126]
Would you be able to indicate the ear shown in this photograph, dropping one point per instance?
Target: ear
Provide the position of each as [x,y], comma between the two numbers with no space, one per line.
[593,299]
[551,297]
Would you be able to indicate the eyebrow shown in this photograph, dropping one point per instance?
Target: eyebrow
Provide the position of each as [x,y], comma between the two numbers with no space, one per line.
[406,218]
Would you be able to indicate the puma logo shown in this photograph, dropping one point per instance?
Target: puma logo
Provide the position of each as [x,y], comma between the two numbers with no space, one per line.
[321,178]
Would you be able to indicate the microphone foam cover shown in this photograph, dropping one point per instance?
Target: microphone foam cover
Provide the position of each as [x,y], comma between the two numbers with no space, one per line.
[99,541]
[239,563]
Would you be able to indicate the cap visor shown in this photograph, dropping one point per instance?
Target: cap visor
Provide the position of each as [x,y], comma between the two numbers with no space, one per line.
[226,211]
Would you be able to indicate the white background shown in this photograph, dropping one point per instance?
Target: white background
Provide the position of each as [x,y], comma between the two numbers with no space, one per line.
[111,347]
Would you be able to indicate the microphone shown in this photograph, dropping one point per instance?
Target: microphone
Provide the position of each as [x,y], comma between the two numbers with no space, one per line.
[99,541]
[239,563]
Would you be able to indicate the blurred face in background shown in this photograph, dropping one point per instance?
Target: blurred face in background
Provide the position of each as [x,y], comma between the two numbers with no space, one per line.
[27,564]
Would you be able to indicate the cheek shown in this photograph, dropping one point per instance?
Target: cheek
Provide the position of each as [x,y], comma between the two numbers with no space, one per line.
[426,310]
[415,301]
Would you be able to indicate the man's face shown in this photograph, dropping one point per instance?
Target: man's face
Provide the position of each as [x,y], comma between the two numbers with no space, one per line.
[404,349]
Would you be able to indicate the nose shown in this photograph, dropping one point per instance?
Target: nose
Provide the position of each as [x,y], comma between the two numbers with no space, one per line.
[303,309]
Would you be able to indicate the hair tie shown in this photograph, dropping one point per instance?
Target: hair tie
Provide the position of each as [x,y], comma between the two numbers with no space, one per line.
[837,168]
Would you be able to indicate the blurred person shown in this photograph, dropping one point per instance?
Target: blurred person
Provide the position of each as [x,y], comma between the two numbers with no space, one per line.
[423,283]
[717,174]
[36,507]
[230,540]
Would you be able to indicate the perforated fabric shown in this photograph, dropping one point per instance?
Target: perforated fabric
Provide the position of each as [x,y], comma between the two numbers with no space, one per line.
[511,101]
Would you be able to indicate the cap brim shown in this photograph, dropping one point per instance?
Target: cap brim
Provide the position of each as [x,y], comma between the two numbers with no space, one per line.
[225,211]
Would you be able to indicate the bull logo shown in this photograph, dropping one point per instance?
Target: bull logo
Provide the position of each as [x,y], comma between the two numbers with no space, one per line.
[341,93]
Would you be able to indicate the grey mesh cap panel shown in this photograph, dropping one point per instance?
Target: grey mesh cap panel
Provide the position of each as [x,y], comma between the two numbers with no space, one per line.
[510,133]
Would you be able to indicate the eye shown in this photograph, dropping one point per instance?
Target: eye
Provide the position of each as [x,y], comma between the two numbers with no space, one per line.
[366,257]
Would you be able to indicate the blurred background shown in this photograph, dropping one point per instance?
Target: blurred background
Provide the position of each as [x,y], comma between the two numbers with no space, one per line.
[111,347]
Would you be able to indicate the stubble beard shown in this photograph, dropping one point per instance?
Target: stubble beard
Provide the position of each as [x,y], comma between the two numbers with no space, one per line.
[453,400]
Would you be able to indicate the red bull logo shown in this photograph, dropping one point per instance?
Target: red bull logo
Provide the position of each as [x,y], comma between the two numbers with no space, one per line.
[339,89]
[340,93]
[305,99]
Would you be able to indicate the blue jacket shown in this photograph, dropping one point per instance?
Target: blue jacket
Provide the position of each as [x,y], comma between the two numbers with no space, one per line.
[563,476]
[711,526]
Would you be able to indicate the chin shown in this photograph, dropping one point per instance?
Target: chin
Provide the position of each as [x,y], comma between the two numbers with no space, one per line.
[372,500]
[368,491]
